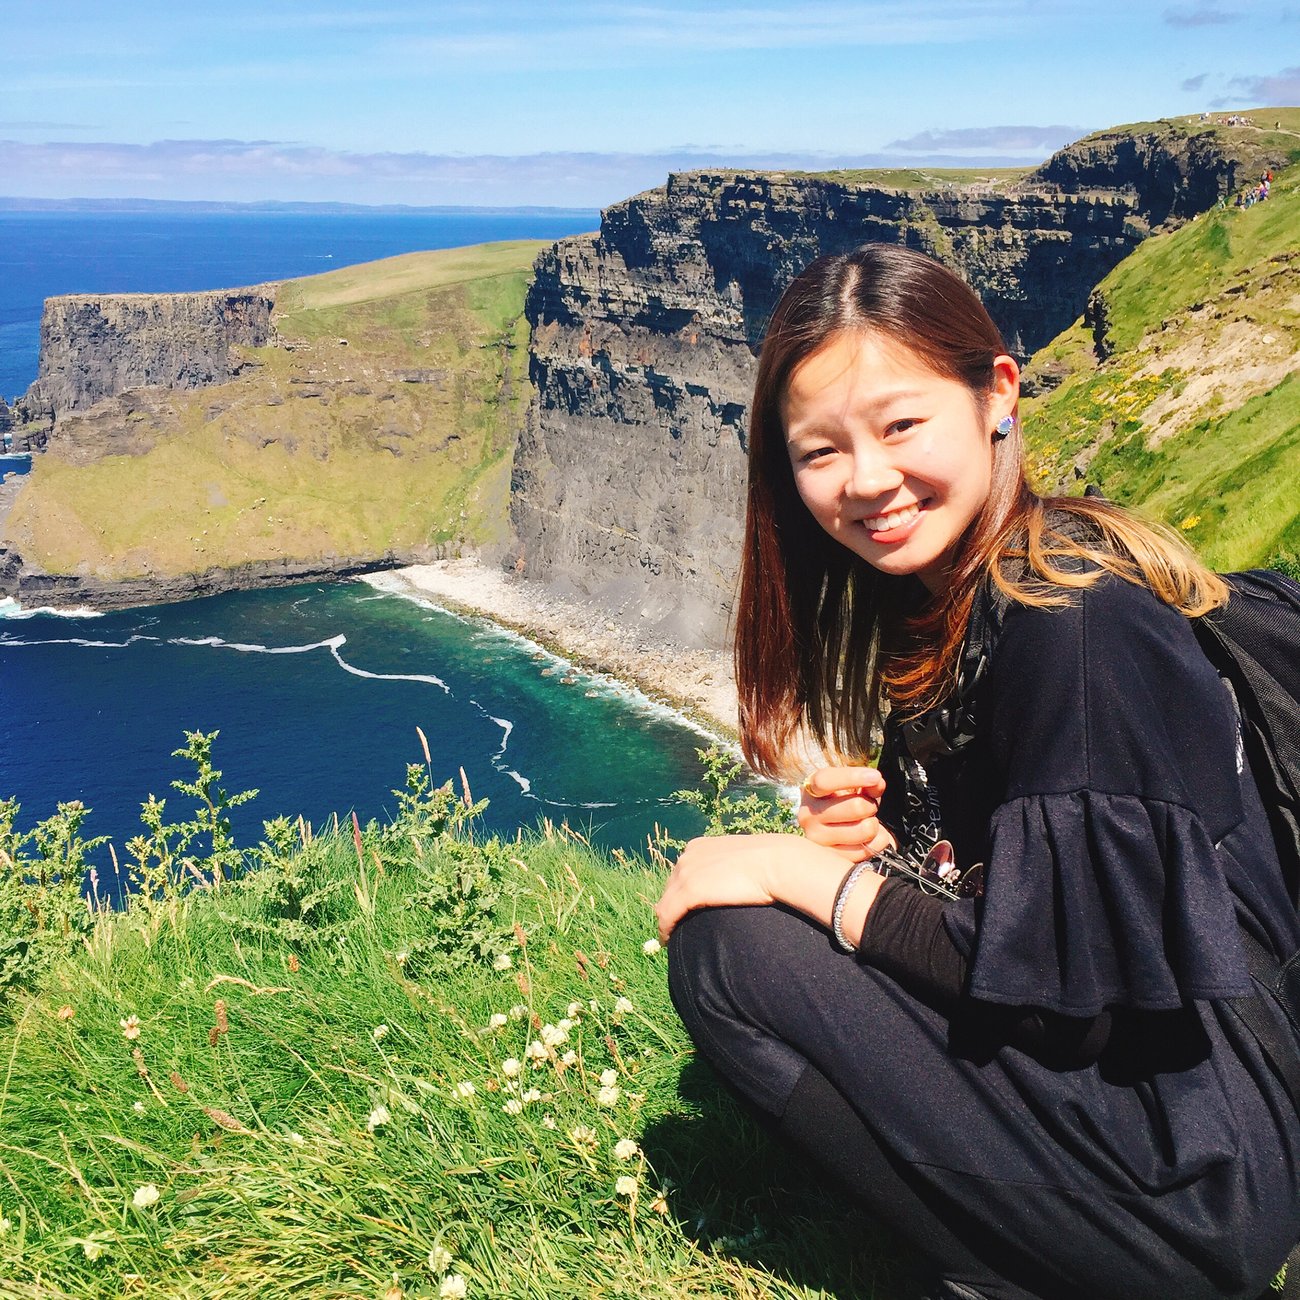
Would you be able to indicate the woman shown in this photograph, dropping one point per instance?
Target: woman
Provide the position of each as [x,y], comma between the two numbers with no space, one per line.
[1035,1077]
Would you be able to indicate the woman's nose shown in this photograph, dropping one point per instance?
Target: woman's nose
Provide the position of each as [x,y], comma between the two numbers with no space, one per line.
[873,474]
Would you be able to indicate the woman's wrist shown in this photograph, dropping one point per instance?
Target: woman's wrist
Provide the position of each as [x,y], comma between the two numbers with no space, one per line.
[808,879]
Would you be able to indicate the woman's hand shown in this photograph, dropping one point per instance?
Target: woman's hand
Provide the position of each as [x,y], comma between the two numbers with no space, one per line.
[838,809]
[752,871]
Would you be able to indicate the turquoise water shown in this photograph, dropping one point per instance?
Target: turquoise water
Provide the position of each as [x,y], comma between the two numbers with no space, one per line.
[317,692]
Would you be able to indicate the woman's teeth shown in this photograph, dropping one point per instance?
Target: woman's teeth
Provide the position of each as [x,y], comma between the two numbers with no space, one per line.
[880,523]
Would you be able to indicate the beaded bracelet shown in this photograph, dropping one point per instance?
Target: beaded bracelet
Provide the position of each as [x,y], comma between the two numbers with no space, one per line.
[851,878]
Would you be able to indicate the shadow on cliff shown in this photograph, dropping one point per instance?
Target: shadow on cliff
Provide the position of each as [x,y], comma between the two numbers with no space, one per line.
[741,1192]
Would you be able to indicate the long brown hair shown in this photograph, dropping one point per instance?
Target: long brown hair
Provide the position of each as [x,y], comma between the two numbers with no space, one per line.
[824,642]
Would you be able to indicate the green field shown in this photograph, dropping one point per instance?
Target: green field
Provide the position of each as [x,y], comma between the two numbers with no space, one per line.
[383,421]
[361,1049]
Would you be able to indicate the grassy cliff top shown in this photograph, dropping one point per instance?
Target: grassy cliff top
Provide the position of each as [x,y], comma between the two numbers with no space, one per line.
[1178,394]
[383,420]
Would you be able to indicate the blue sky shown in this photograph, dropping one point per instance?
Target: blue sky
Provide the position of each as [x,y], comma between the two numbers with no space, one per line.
[579,104]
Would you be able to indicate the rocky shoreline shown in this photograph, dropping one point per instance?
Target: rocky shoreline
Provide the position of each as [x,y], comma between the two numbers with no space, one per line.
[697,683]
[35,590]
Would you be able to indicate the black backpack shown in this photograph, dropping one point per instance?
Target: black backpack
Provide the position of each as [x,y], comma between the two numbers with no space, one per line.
[1254,643]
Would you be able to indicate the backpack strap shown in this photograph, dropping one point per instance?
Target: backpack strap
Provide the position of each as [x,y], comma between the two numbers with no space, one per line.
[1280,984]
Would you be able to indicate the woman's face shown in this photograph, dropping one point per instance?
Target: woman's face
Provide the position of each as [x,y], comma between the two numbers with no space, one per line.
[893,460]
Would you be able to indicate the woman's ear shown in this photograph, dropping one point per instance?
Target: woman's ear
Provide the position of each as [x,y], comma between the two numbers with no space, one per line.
[1004,394]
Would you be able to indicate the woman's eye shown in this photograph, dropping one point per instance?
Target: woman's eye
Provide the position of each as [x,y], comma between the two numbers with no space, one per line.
[900,426]
[814,453]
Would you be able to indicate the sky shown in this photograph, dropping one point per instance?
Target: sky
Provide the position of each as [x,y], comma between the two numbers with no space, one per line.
[578,104]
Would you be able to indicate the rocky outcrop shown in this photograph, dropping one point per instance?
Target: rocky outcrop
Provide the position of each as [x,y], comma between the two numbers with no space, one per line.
[1173,171]
[100,346]
[629,473]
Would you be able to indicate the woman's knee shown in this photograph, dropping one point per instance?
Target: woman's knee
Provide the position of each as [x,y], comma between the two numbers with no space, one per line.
[721,962]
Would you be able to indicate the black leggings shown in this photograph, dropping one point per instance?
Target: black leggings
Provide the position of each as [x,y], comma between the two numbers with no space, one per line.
[826,1049]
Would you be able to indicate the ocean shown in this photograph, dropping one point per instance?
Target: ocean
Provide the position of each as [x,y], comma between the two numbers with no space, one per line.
[47,253]
[317,690]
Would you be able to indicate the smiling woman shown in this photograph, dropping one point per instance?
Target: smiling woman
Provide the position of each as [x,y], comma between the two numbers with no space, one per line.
[1029,1066]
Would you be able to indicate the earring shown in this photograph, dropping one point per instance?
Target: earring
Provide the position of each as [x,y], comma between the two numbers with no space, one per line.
[1005,425]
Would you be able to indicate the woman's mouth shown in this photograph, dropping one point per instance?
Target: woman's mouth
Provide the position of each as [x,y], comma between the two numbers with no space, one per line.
[895,526]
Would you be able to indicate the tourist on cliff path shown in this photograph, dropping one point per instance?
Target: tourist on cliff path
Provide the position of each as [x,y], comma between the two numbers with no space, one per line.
[1027,1066]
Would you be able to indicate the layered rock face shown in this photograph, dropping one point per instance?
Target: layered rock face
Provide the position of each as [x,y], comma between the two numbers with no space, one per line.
[631,467]
[629,475]
[100,346]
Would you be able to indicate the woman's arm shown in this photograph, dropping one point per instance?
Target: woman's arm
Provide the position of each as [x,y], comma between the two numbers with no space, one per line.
[757,870]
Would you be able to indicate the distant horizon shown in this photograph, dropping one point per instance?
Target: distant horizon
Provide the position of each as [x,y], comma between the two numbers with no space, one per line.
[298,207]
[579,103]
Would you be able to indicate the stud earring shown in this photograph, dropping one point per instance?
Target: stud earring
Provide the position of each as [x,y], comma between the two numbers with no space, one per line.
[1005,425]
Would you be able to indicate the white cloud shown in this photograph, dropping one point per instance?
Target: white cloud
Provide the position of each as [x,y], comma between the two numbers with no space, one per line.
[1032,141]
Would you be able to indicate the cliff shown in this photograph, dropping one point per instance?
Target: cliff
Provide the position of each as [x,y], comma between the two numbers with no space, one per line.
[97,347]
[344,422]
[628,476]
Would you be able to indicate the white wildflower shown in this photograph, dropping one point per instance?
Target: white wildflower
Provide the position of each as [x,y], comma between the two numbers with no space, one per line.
[548,1121]
[6,1224]
[574,1010]
[582,1136]
[497,1020]
[594,1005]
[566,1024]
[91,1248]
[535,1051]
[379,1116]
[518,1011]
[650,947]
[512,1105]
[510,1067]
[130,1028]
[402,957]
[625,1149]
[378,1032]
[439,1259]
[622,1006]
[533,1094]
[569,1058]
[138,1107]
[608,1097]
[145,1196]
[626,1186]
[608,1078]
[502,961]
[554,1035]
[465,1089]
[297,1139]
[453,1287]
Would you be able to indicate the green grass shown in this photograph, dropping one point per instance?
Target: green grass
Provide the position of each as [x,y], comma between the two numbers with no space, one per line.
[321,450]
[1193,417]
[1218,250]
[296,1095]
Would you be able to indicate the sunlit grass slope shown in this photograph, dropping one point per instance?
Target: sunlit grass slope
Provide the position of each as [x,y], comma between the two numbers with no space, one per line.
[383,420]
[392,1061]
[1193,415]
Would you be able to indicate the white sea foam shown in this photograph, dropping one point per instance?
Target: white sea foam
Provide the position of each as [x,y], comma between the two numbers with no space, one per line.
[524,783]
[10,608]
[332,644]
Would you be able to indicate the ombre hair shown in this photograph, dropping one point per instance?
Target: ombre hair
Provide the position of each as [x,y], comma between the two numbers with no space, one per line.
[824,643]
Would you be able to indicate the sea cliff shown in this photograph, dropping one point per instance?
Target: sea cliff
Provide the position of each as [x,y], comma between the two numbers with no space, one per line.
[628,476]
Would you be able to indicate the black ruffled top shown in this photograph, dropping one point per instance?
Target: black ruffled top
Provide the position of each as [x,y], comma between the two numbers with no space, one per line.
[1105,794]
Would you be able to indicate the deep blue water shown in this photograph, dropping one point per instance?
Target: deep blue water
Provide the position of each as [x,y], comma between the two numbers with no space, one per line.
[317,691]
[48,253]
